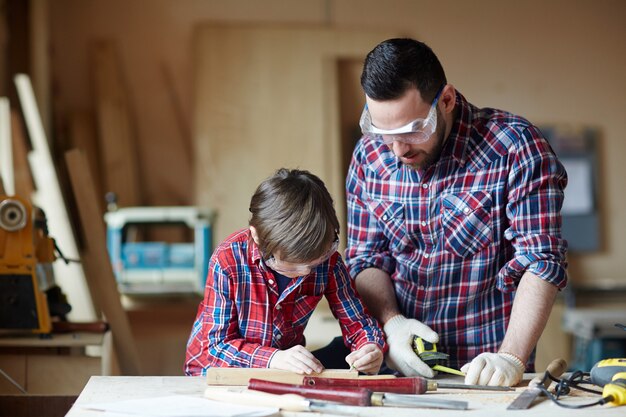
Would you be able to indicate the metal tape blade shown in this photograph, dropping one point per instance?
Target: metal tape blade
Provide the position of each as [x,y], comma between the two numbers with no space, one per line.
[525,399]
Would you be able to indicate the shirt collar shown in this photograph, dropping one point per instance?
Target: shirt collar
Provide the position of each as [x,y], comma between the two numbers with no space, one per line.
[460,134]
[253,249]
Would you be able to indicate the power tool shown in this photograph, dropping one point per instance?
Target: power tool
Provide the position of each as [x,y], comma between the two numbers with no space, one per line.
[29,297]
[438,361]
[611,374]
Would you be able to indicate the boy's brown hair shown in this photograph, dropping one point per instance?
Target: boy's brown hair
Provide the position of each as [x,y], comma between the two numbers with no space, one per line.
[293,214]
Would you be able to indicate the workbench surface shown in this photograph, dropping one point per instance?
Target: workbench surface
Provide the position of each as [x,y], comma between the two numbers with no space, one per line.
[102,389]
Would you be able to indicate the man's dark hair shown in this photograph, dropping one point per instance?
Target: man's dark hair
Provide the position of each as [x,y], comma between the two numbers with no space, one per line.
[396,65]
[293,214]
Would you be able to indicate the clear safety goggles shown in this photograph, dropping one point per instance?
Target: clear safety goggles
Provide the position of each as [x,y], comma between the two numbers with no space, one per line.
[416,132]
[288,268]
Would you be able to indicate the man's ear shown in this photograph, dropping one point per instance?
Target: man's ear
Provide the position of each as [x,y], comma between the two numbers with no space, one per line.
[448,99]
[255,235]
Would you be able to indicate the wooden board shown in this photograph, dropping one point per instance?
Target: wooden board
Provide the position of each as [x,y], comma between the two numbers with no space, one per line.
[241,376]
[24,185]
[95,257]
[82,135]
[116,136]
[266,97]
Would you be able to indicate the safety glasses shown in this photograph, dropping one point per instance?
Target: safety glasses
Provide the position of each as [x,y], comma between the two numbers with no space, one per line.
[416,132]
[288,268]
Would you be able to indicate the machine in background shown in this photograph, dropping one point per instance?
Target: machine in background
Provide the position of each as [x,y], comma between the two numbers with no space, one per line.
[157,267]
[29,296]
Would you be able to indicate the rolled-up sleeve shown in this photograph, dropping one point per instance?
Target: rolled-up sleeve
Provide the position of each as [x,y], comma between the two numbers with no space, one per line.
[536,190]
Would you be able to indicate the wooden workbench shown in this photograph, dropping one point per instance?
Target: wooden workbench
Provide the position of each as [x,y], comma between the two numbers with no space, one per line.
[481,403]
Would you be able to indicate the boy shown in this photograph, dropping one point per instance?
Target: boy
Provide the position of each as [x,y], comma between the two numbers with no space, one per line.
[265,281]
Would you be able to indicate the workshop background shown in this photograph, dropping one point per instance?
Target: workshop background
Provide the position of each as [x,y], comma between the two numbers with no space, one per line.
[217,94]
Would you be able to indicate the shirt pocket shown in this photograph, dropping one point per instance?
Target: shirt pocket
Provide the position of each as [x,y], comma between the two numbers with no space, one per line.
[392,222]
[466,222]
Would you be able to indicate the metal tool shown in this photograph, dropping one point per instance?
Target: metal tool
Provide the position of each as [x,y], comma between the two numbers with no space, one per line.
[287,402]
[403,385]
[356,396]
[526,398]
[428,353]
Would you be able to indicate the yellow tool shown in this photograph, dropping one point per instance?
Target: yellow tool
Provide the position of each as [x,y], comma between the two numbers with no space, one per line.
[427,352]
[26,279]
[615,391]
[611,374]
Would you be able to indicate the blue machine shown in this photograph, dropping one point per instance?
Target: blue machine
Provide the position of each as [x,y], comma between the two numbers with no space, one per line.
[159,267]
[595,335]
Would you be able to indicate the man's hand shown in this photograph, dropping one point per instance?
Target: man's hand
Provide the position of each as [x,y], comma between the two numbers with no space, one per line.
[497,369]
[400,333]
[296,359]
[367,359]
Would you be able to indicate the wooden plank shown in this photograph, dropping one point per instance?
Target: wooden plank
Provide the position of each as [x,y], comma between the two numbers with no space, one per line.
[82,135]
[116,137]
[241,376]
[24,185]
[7,183]
[49,198]
[96,259]
[39,65]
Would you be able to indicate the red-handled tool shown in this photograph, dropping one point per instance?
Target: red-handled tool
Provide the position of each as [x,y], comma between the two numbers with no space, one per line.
[403,385]
[356,396]
[407,385]
[346,395]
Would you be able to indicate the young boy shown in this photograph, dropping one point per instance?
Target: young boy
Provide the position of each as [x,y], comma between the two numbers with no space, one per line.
[265,281]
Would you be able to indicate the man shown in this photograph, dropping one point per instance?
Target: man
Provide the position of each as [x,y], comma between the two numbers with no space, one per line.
[453,220]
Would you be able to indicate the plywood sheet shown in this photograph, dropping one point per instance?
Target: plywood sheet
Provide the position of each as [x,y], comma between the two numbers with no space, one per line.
[267,97]
[241,376]
[115,125]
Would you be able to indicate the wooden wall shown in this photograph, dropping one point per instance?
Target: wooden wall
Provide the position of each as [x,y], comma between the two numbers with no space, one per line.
[553,62]
[557,61]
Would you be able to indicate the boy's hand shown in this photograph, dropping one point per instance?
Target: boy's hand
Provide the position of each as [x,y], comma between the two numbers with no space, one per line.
[367,359]
[296,359]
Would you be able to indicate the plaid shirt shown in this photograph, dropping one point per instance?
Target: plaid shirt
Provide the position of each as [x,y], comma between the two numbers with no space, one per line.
[457,237]
[243,321]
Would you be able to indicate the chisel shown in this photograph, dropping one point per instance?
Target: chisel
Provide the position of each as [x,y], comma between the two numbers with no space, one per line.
[526,398]
[287,402]
[356,396]
[402,385]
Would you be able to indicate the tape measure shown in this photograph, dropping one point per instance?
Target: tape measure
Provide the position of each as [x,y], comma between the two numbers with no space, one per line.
[428,353]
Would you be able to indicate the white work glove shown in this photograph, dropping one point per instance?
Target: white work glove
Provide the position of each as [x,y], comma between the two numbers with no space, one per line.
[400,333]
[496,369]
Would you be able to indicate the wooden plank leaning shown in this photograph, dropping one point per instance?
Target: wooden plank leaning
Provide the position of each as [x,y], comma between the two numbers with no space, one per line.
[96,259]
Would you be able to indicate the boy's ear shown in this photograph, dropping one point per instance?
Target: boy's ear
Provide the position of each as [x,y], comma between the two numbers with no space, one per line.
[254,234]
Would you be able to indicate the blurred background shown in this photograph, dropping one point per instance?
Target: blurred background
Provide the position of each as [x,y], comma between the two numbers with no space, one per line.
[194,102]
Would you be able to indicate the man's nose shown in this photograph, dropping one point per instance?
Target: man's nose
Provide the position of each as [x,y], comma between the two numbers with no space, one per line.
[399,148]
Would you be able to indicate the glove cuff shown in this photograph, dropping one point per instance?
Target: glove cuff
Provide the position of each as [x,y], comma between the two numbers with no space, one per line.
[393,323]
[517,361]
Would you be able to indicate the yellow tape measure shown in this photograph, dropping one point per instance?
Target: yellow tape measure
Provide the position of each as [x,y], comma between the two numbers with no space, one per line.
[427,352]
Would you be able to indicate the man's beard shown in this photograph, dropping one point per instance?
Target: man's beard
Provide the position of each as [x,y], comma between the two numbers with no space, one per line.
[433,156]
